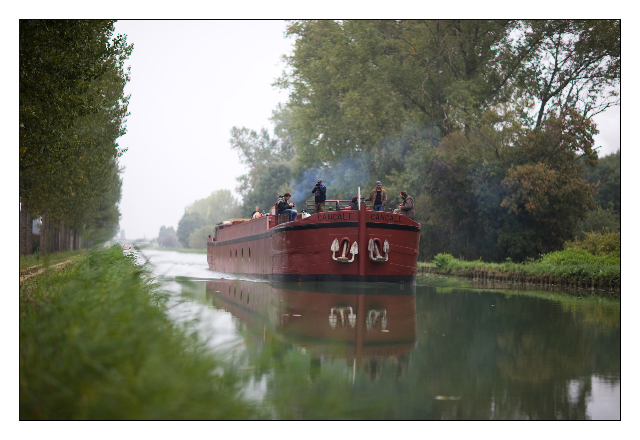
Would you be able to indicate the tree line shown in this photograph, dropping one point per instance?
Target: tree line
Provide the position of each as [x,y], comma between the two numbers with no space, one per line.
[488,124]
[199,220]
[72,111]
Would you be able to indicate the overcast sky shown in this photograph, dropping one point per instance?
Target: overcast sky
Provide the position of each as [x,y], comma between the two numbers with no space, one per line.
[191,82]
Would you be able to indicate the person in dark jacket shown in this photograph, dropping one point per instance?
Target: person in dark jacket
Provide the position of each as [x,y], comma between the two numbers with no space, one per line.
[407,207]
[378,196]
[284,207]
[321,195]
[354,203]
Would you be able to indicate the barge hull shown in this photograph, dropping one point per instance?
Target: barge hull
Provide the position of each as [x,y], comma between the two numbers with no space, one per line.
[305,250]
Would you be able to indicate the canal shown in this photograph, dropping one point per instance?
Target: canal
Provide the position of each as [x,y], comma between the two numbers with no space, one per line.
[443,349]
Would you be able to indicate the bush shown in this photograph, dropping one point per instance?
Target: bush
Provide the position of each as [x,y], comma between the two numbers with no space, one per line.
[443,260]
[572,261]
[598,243]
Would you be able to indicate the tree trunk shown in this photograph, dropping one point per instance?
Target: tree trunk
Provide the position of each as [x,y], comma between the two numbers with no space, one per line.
[61,240]
[56,239]
[43,234]
[26,225]
[75,239]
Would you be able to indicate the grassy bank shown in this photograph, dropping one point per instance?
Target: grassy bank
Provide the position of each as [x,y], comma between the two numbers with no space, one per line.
[95,343]
[27,261]
[568,266]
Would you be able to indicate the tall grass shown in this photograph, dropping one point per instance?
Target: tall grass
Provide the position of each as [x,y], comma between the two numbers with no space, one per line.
[95,343]
[27,261]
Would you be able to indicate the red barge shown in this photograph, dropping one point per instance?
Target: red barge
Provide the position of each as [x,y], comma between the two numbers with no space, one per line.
[337,245]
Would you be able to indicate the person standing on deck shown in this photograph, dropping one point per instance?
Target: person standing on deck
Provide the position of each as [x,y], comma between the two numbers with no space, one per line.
[256,214]
[284,207]
[321,195]
[378,196]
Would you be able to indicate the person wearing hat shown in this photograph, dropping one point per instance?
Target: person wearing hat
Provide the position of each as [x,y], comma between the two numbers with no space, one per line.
[321,195]
[378,196]
[407,208]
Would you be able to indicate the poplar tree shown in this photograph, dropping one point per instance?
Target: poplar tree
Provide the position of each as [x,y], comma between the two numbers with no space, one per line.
[72,110]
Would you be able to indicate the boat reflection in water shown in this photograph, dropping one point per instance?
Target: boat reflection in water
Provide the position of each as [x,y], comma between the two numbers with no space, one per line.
[364,323]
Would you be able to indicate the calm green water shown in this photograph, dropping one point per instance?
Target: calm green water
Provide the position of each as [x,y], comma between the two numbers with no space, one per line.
[439,350]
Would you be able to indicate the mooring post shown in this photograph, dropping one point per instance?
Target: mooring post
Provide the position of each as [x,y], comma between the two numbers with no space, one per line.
[362,237]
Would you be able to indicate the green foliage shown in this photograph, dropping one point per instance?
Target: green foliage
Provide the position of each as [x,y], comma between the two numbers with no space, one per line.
[274,178]
[575,63]
[259,151]
[189,222]
[599,220]
[39,260]
[219,206]
[606,181]
[571,262]
[485,123]
[443,260]
[72,110]
[95,344]
[198,238]
[544,205]
[599,243]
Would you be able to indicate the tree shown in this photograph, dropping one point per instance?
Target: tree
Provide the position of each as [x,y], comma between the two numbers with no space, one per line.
[220,205]
[259,151]
[198,238]
[72,110]
[167,237]
[544,205]
[266,190]
[606,181]
[468,116]
[576,65]
[189,222]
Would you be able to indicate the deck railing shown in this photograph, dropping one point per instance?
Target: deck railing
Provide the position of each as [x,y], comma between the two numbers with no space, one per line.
[332,205]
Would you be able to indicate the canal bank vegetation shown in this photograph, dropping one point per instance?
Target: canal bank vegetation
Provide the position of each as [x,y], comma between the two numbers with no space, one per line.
[72,111]
[36,261]
[95,343]
[592,262]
